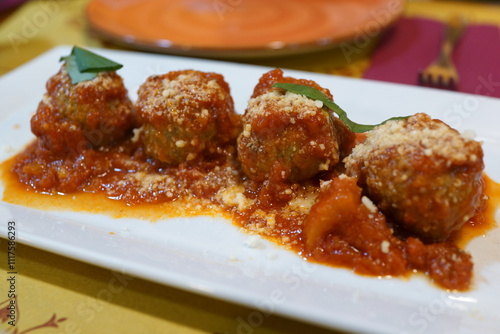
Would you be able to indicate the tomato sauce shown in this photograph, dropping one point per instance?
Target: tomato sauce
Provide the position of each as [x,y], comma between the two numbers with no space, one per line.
[218,188]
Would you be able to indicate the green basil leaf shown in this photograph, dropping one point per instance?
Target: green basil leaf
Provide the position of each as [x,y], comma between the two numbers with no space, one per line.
[83,65]
[90,62]
[315,94]
[75,75]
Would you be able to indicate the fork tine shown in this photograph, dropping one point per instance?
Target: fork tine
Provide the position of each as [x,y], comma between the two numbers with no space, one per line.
[441,82]
[453,84]
[423,78]
[420,77]
[432,80]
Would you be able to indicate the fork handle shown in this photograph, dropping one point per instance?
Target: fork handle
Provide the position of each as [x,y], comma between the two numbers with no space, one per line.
[453,32]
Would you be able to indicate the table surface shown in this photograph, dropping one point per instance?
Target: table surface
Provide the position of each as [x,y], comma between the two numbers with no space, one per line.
[62,295]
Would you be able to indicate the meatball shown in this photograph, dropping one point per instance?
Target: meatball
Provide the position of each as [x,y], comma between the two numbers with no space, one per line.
[286,136]
[186,115]
[89,114]
[421,172]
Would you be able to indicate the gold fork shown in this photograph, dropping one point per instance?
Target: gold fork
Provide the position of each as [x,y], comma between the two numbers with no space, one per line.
[442,73]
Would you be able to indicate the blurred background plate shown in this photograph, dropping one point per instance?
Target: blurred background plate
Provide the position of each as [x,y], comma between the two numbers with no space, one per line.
[239,28]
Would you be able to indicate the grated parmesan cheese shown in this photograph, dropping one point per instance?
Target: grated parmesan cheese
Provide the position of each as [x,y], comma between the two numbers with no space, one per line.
[419,132]
[234,197]
[297,105]
[253,241]
[369,204]
[385,246]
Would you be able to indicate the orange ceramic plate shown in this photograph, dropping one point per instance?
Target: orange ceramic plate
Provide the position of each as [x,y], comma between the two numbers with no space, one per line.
[240,28]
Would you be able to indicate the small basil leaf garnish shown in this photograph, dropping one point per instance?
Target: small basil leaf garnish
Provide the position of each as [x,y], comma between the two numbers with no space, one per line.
[75,75]
[315,94]
[90,62]
[83,65]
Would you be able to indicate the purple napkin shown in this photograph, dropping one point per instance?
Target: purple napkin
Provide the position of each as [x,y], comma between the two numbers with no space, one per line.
[8,4]
[413,43]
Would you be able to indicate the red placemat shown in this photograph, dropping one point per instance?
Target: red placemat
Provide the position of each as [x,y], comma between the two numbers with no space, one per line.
[413,43]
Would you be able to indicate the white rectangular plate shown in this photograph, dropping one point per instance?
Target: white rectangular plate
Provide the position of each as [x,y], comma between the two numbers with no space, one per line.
[212,257]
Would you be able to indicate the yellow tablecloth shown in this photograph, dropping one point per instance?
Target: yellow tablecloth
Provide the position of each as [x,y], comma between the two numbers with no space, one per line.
[60,295]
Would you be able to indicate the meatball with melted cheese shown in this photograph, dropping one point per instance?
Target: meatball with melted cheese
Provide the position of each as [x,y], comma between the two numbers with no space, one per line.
[186,115]
[89,114]
[421,172]
[288,137]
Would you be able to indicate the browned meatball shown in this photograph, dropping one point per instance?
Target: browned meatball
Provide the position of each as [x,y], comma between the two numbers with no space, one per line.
[88,114]
[186,115]
[287,136]
[423,173]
